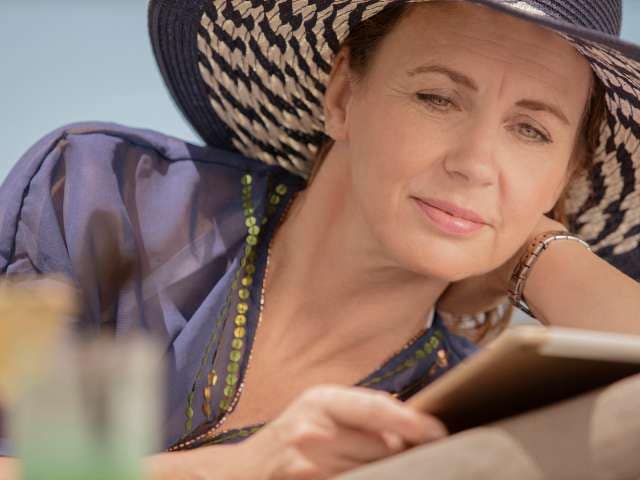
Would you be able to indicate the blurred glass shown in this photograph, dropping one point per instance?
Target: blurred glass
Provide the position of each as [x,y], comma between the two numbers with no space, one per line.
[93,415]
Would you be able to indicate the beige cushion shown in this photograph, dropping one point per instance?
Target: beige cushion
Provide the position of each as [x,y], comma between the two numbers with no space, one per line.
[594,436]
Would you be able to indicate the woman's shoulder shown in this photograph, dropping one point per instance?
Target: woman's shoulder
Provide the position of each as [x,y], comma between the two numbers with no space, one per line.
[93,142]
[147,187]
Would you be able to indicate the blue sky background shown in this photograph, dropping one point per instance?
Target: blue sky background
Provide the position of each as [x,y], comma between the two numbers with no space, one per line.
[74,60]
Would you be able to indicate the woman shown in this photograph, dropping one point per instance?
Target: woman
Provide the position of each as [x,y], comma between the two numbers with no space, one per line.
[442,135]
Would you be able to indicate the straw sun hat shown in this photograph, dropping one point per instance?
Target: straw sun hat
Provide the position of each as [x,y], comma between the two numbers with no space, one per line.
[249,75]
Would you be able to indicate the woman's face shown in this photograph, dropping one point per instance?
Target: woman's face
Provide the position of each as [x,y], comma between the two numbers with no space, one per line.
[464,105]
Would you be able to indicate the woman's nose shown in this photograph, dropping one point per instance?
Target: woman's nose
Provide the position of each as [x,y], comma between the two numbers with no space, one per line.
[473,156]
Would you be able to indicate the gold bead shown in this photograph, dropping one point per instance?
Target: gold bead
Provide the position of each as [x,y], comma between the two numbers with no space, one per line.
[243,293]
[239,332]
[281,189]
[443,361]
[251,269]
[212,378]
[242,307]
[247,281]
[206,409]
[189,412]
[240,320]
[207,394]
[247,180]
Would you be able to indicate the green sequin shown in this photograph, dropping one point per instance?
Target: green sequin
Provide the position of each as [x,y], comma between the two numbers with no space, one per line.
[240,320]
[239,332]
[237,344]
[229,391]
[235,355]
[242,307]
[281,189]
[250,221]
[247,281]
[274,200]
[255,230]
[232,379]
[252,240]
[247,180]
[233,367]
[243,293]
[189,412]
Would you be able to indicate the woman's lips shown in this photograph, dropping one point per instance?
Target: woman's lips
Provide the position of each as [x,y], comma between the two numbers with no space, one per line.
[448,223]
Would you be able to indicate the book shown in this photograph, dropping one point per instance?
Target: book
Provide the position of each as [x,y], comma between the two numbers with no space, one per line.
[526,368]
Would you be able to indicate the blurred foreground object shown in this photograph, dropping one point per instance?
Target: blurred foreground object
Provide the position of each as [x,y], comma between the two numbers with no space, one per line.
[94,414]
[79,406]
[33,317]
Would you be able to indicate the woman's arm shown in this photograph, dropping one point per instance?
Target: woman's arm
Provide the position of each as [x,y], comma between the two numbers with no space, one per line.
[568,286]
[198,464]
[164,466]
[572,287]
[8,468]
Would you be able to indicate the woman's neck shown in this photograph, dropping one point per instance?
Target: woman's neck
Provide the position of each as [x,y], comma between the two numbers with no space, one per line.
[326,267]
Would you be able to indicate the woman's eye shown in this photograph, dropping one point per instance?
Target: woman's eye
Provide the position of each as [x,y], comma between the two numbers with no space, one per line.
[437,102]
[532,133]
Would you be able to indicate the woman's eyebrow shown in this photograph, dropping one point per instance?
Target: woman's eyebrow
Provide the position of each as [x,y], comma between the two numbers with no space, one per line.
[462,79]
[538,106]
[454,75]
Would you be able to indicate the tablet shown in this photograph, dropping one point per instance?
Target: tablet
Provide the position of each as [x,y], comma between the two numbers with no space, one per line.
[525,368]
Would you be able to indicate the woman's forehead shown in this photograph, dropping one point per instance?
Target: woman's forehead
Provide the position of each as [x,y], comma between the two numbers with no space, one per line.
[465,34]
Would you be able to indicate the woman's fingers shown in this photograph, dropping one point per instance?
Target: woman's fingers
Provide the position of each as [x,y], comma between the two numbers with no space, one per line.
[377,412]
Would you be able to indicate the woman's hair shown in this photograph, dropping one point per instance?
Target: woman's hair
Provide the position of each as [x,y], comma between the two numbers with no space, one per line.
[363,43]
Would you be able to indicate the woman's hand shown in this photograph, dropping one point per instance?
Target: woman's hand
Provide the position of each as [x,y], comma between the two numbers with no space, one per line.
[485,292]
[332,429]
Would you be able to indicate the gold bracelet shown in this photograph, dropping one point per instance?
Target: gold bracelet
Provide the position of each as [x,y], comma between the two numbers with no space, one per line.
[523,268]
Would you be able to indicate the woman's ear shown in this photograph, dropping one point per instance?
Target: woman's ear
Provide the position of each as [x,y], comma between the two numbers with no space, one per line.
[338,97]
